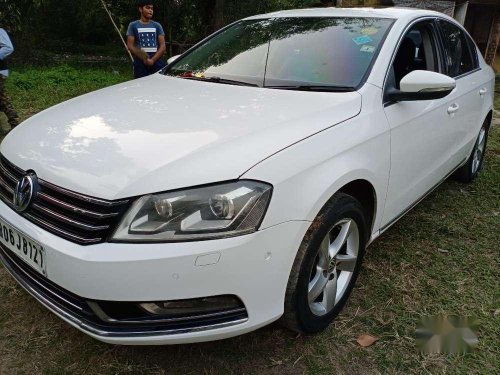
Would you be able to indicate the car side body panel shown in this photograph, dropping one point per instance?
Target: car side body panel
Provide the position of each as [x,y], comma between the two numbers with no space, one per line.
[305,176]
[440,141]
[474,107]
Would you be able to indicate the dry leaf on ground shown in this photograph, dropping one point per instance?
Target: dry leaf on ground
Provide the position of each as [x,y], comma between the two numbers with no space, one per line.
[366,340]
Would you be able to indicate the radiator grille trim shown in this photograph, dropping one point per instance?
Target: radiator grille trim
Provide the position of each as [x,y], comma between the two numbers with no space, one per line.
[75,217]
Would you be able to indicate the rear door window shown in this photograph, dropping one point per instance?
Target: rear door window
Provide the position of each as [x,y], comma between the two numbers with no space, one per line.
[458,56]
[473,50]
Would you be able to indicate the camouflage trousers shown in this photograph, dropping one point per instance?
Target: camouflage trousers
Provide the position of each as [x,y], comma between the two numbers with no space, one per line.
[6,105]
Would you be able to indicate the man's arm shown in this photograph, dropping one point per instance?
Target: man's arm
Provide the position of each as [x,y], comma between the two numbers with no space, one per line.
[137,52]
[161,49]
[6,47]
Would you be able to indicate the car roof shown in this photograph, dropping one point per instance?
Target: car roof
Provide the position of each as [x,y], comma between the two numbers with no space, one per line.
[392,12]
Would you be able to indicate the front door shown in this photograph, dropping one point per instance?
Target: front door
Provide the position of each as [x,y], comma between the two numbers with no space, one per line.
[422,132]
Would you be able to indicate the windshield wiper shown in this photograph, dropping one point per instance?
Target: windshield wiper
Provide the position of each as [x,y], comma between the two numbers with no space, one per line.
[224,81]
[318,88]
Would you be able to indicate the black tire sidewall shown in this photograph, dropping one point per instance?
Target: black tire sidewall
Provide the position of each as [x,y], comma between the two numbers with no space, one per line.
[345,207]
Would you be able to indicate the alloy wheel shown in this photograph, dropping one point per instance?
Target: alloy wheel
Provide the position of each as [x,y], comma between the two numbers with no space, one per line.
[334,267]
[479,151]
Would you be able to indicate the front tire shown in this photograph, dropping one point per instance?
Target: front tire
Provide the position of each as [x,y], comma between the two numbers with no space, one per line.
[326,266]
[469,171]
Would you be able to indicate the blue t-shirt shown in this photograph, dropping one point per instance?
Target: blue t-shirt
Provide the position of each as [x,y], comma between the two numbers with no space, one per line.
[146,35]
[6,49]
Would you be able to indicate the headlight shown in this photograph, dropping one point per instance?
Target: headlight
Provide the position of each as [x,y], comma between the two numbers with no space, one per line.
[211,212]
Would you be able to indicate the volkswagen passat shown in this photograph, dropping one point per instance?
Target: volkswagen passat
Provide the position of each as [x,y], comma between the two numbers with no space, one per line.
[241,184]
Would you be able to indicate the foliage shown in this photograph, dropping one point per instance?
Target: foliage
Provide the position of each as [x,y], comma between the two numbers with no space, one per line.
[66,25]
[34,89]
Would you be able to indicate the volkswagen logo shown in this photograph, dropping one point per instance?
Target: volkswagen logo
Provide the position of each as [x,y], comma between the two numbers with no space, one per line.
[23,195]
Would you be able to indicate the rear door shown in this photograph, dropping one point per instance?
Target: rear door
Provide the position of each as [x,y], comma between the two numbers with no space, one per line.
[462,64]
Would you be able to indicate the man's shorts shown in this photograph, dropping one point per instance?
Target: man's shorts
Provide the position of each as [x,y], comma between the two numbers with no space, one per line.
[141,70]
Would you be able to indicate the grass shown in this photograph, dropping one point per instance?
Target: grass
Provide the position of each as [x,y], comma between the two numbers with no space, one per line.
[34,89]
[440,258]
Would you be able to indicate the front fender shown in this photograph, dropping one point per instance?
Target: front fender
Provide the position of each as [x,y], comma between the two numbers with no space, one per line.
[306,175]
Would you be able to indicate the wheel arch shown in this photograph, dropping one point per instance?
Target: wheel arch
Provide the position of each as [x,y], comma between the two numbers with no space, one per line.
[365,193]
[489,118]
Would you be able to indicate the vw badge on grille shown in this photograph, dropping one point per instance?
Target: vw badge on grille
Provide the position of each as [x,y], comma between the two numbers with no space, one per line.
[23,194]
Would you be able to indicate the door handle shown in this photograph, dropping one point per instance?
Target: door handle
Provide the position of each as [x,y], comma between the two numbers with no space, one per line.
[483,92]
[453,109]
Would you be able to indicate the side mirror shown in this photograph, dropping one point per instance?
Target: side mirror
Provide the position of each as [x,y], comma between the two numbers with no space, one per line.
[422,85]
[172,59]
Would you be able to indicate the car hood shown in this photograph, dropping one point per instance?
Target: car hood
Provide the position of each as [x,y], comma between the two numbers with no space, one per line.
[162,133]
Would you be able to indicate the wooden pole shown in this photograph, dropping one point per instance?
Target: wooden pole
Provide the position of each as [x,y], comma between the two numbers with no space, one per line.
[219,14]
[117,29]
[171,48]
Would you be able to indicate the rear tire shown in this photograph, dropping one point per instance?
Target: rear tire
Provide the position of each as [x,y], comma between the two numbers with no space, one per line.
[469,171]
[326,266]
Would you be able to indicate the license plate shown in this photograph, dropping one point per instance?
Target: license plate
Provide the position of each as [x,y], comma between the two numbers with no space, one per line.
[24,247]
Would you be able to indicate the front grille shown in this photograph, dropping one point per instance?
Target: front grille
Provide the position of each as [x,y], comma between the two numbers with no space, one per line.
[73,216]
[111,319]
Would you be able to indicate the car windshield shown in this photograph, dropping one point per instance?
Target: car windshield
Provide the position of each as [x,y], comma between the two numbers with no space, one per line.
[323,54]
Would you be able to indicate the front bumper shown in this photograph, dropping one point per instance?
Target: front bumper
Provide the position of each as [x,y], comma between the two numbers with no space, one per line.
[255,268]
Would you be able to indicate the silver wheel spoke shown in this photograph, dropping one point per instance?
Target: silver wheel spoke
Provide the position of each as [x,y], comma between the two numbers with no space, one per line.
[330,294]
[341,239]
[480,148]
[482,135]
[346,262]
[478,152]
[324,255]
[476,161]
[317,285]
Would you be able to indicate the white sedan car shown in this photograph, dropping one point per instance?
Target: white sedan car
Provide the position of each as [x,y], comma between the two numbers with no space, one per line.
[243,183]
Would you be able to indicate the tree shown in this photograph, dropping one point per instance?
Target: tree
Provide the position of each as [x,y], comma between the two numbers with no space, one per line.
[70,26]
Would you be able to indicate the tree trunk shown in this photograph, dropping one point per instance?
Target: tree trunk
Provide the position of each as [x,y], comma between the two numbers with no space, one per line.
[217,15]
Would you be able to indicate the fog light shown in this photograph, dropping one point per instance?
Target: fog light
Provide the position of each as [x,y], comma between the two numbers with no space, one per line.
[204,305]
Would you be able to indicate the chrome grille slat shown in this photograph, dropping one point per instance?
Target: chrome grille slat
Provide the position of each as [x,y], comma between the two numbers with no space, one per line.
[82,197]
[8,164]
[5,199]
[186,318]
[5,185]
[67,220]
[73,216]
[96,215]
[62,232]
[6,173]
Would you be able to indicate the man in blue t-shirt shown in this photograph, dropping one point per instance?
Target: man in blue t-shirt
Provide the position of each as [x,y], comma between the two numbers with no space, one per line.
[6,107]
[146,41]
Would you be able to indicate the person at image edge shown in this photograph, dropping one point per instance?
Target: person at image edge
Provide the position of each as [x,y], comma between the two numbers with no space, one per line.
[6,107]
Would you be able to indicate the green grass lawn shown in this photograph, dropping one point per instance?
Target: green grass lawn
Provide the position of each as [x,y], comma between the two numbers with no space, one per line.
[441,258]
[34,89]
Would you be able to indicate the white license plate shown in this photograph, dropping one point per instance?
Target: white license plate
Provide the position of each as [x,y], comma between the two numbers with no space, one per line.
[24,247]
